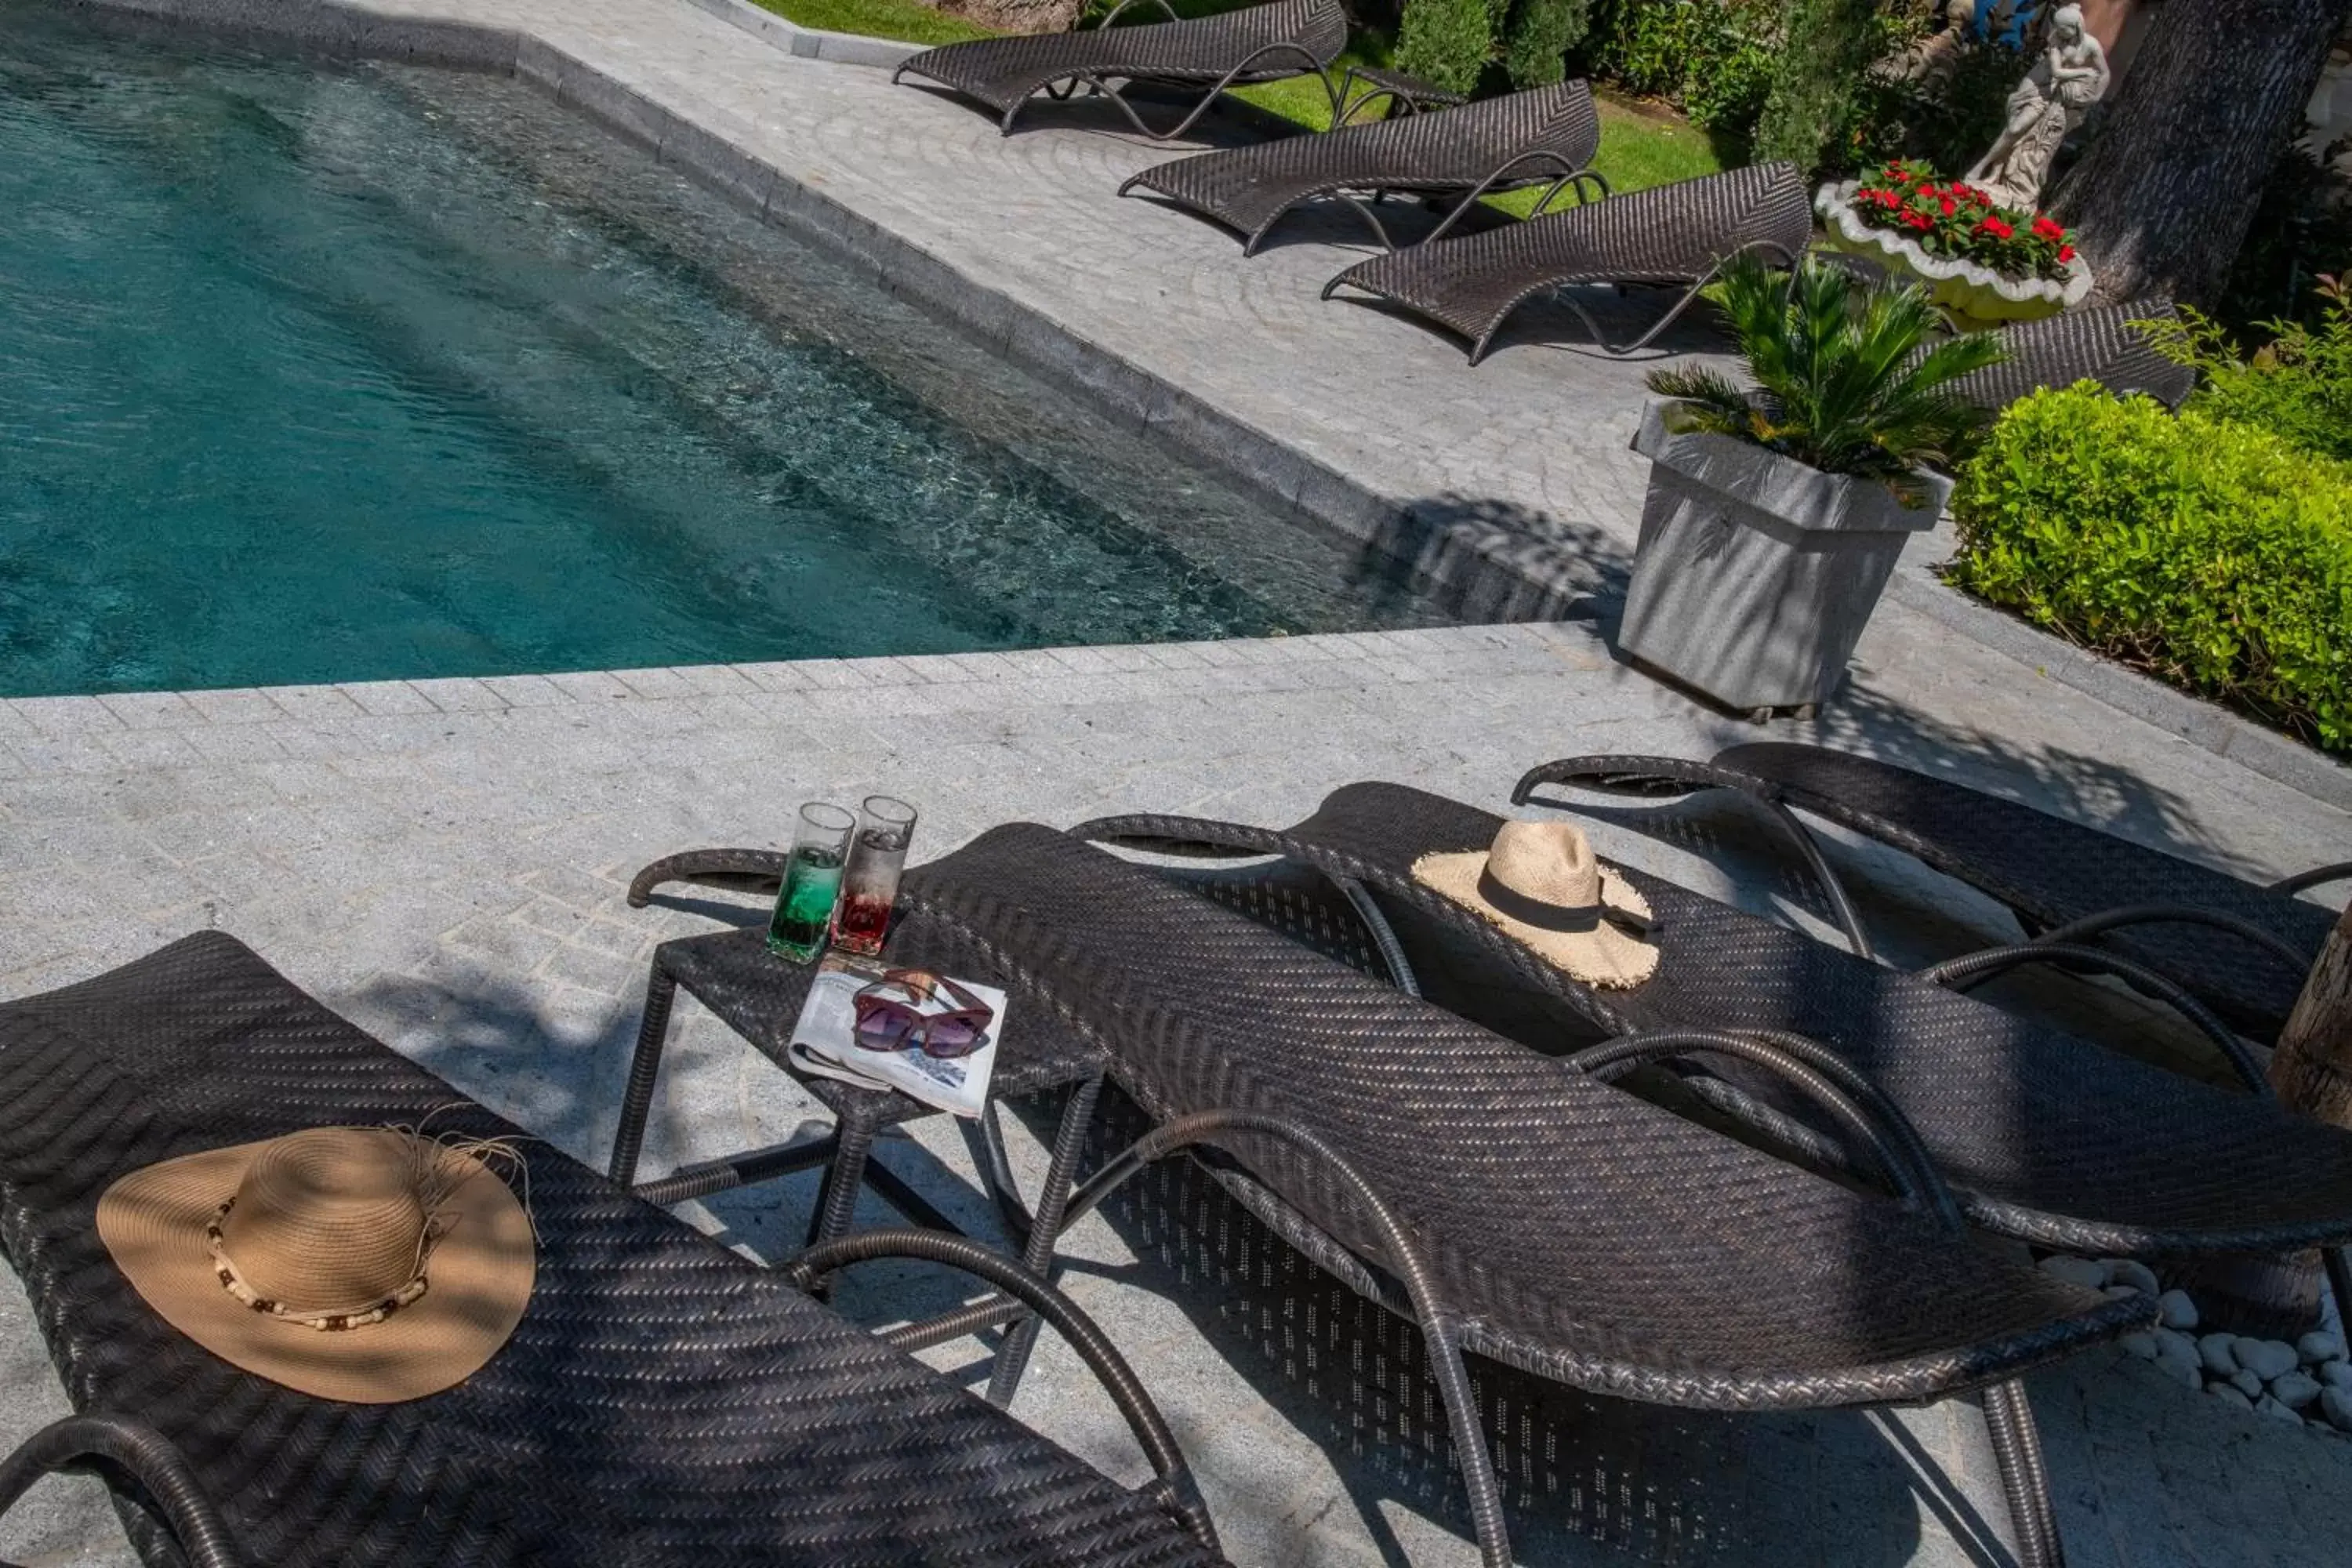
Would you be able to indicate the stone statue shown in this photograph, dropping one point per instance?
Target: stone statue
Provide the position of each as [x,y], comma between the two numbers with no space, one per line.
[2070,76]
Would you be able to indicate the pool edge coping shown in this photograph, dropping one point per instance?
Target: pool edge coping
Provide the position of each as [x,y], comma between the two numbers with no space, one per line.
[1480,575]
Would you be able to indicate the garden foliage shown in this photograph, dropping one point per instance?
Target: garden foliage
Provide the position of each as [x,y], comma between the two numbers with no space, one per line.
[1712,58]
[1846,380]
[2213,555]
[1825,56]
[1536,37]
[2299,388]
[1447,42]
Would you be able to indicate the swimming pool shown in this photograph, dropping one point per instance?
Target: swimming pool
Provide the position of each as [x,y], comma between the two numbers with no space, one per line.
[329,373]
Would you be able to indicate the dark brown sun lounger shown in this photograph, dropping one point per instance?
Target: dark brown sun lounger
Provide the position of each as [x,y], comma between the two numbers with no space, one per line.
[2242,948]
[1680,234]
[1548,135]
[1208,54]
[2095,343]
[664,1403]
[2044,1136]
[1513,1206]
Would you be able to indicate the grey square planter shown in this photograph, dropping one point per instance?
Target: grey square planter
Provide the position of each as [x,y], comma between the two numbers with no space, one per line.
[1754,574]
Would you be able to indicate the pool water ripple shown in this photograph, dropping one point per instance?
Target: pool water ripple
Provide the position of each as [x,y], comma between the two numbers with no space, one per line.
[321,374]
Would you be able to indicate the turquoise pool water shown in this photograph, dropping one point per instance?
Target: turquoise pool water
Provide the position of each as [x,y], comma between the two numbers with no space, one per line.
[341,373]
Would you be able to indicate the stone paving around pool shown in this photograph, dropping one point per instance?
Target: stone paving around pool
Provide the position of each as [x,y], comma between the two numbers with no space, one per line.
[444,860]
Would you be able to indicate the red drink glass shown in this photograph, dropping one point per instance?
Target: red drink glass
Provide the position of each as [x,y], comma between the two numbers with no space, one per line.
[885,827]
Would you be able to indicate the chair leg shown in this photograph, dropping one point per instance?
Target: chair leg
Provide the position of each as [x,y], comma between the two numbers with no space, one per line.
[1045,1232]
[2017,1449]
[837,1200]
[644,1071]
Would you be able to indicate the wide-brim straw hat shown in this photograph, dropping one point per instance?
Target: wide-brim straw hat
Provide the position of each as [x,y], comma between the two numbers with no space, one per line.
[1541,884]
[364,1264]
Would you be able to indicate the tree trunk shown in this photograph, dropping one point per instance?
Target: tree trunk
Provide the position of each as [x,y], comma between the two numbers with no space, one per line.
[2313,1068]
[2164,195]
[2277,1298]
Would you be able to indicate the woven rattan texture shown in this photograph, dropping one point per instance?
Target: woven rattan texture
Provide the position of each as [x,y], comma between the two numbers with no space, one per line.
[1356,1374]
[1004,72]
[2044,1135]
[1586,1233]
[663,1402]
[2095,345]
[1669,234]
[2052,871]
[1246,188]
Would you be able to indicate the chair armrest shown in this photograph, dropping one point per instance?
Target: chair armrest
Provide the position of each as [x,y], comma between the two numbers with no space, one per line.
[131,1449]
[712,868]
[1174,1488]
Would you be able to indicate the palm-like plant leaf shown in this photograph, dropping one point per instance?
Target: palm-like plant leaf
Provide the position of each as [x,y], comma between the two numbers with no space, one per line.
[1847,378]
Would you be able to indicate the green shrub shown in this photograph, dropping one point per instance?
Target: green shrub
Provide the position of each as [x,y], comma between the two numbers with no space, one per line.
[2299,388]
[1447,42]
[1537,36]
[1825,54]
[2212,554]
[1713,57]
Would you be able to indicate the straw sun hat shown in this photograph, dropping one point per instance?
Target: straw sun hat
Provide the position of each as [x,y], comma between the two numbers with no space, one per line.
[364,1264]
[1540,884]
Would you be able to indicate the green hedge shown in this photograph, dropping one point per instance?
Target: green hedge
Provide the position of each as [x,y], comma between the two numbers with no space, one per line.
[1447,42]
[2211,554]
[1536,37]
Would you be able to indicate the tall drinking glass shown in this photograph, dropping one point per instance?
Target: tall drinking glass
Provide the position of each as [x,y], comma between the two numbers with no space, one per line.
[812,881]
[884,827]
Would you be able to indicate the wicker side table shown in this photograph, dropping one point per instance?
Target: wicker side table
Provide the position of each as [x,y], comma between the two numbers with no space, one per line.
[758,995]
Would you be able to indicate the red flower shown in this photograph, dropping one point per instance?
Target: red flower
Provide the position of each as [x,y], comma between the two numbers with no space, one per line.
[1919,220]
[1926,187]
[1950,207]
[1995,228]
[2065,254]
[2044,229]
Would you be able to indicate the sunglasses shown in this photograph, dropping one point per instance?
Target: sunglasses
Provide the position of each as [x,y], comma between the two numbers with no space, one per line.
[885,1023]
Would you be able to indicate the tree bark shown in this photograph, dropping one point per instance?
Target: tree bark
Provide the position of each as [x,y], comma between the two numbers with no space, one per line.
[2278,1298]
[2164,195]
[2313,1068]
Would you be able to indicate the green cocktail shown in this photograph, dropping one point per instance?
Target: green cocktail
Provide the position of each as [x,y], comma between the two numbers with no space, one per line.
[812,882]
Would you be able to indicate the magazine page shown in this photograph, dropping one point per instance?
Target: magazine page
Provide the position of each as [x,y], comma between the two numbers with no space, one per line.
[822,1041]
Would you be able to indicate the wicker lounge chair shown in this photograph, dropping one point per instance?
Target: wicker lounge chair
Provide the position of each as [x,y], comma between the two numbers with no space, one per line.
[663,1400]
[2241,948]
[1675,235]
[2045,1137]
[2098,343]
[1547,135]
[1508,1206]
[1210,54]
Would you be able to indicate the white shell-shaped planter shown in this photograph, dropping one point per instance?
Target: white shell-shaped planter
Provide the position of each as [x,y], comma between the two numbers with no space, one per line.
[1976,294]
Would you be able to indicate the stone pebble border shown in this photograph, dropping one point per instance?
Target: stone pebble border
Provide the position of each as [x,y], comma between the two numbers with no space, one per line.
[2309,1383]
[1479,573]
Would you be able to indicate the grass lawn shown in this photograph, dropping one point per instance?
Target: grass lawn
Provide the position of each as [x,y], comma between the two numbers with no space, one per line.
[1640,146]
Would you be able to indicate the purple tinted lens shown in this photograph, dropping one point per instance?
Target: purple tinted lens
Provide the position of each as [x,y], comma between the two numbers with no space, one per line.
[952,1036]
[884,1028]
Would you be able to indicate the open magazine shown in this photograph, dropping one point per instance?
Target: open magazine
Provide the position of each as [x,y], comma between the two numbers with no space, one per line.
[822,1040]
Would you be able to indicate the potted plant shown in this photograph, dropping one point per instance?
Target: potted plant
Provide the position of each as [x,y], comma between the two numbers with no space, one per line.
[1776,514]
[1982,262]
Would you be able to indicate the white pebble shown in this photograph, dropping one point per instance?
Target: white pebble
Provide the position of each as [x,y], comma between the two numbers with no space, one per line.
[2316,1348]
[2219,1352]
[2075,1271]
[2266,1359]
[2247,1384]
[2176,1355]
[2142,1345]
[2176,1310]
[2229,1395]
[2336,1406]
[2132,1272]
[2271,1407]
[2336,1375]
[2295,1390]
